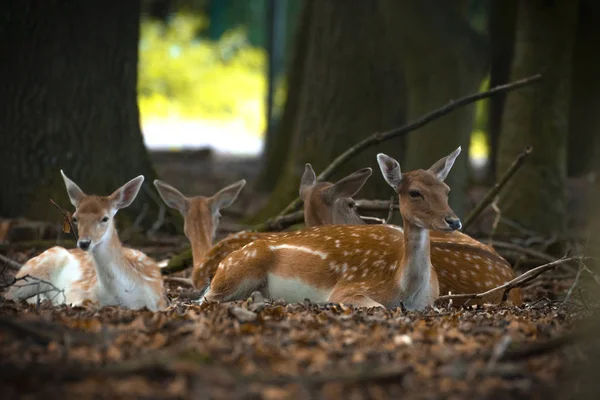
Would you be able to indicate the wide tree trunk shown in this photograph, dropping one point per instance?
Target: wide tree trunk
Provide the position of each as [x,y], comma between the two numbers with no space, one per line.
[68,81]
[584,121]
[348,86]
[535,200]
[443,59]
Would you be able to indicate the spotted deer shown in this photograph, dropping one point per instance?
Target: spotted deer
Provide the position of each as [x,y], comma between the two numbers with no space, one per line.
[325,203]
[100,270]
[361,265]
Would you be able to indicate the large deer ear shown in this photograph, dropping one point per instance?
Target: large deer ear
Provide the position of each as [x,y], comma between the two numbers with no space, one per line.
[124,196]
[443,166]
[172,197]
[75,194]
[226,196]
[390,169]
[309,178]
[350,185]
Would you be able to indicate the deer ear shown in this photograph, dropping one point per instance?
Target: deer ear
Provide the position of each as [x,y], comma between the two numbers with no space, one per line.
[226,196]
[443,166]
[124,196]
[172,197]
[308,180]
[75,194]
[350,185]
[390,169]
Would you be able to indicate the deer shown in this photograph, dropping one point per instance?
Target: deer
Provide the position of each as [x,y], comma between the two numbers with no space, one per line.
[100,269]
[324,203]
[358,265]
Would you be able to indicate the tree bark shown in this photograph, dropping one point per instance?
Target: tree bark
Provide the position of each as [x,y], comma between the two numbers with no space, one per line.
[502,24]
[584,121]
[444,58]
[538,115]
[348,86]
[69,93]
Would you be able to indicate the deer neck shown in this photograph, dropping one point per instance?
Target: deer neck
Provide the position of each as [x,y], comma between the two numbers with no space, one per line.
[201,242]
[110,260]
[415,271]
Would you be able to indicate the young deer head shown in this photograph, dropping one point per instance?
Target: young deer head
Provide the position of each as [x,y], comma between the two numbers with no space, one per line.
[423,193]
[94,215]
[200,214]
[328,203]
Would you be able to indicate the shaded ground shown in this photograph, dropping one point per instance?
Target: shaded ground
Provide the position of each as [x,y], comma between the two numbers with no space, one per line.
[269,350]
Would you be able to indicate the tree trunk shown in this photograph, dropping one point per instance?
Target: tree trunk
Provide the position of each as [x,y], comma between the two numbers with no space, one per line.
[584,121]
[444,58]
[538,115]
[502,23]
[69,89]
[348,86]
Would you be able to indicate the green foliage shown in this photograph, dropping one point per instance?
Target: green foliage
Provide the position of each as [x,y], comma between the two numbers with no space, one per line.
[479,147]
[184,77]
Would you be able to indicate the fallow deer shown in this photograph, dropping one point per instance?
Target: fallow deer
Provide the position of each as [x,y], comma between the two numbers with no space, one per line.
[325,203]
[368,265]
[100,270]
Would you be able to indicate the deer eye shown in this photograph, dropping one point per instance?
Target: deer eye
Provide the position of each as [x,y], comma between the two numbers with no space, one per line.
[105,219]
[74,220]
[351,204]
[414,194]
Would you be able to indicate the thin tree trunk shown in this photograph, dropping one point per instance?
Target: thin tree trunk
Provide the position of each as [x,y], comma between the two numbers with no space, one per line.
[444,58]
[538,115]
[69,94]
[348,87]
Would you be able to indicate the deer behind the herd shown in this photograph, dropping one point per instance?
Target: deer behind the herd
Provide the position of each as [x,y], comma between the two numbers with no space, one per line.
[335,259]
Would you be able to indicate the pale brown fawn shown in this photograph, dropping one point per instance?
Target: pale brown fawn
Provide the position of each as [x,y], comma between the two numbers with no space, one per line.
[369,265]
[100,270]
[325,203]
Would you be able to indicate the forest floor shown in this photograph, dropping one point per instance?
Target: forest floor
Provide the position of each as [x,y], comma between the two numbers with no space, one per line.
[258,349]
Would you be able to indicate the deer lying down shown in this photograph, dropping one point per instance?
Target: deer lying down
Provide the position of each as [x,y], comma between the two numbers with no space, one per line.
[368,265]
[101,269]
[325,203]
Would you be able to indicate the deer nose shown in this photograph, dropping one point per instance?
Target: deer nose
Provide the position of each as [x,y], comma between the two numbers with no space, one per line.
[453,222]
[84,244]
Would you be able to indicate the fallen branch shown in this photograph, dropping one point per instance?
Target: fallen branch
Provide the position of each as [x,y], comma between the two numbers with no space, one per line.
[491,195]
[10,264]
[515,283]
[67,217]
[396,132]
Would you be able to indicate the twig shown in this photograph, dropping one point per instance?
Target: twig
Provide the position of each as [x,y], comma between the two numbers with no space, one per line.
[491,195]
[36,282]
[515,283]
[10,264]
[383,136]
[372,220]
[136,223]
[391,211]
[160,220]
[498,212]
[574,285]
[67,218]
[499,351]
[523,250]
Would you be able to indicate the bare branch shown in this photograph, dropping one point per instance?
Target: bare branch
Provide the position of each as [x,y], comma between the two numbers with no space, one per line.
[67,218]
[10,264]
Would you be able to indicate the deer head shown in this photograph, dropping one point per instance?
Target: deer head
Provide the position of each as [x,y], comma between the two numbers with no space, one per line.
[200,214]
[328,203]
[423,193]
[94,215]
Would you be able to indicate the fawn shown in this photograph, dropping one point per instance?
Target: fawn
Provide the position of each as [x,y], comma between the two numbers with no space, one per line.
[200,214]
[100,269]
[324,203]
[361,265]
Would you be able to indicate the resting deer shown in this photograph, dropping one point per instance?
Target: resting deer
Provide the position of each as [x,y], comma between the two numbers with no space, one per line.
[101,269]
[324,203]
[368,265]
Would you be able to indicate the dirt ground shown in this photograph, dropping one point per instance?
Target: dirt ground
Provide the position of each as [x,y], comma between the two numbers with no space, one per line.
[260,349]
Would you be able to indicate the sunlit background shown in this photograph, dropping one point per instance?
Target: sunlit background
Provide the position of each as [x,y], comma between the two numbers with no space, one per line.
[204,81]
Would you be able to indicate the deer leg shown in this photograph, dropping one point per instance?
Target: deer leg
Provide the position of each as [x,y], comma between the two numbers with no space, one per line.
[241,273]
[352,298]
